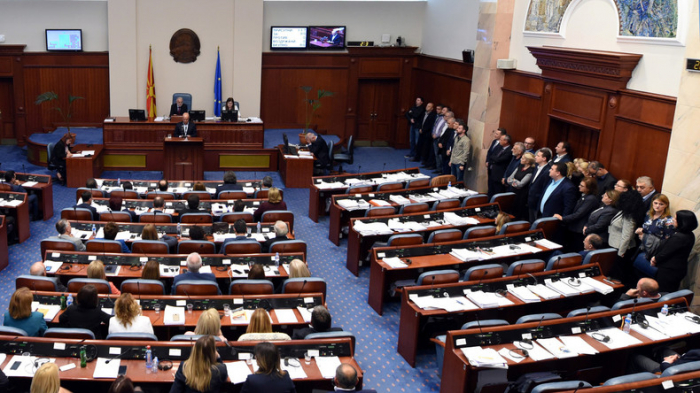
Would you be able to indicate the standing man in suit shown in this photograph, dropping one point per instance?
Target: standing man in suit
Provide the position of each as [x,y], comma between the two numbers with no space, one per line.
[86,197]
[560,194]
[319,148]
[645,187]
[445,144]
[425,136]
[179,108]
[500,157]
[444,134]
[539,181]
[562,150]
[530,145]
[185,127]
[336,38]
[606,180]
[414,116]
[517,154]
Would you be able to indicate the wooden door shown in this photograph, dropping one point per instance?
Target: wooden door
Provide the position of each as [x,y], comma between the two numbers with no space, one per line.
[376,109]
[583,140]
[6,108]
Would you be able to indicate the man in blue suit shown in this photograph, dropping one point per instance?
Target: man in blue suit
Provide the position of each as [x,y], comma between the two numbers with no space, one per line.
[539,181]
[559,196]
[194,263]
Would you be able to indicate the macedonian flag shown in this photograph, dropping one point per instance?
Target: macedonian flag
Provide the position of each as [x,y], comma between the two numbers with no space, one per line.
[150,89]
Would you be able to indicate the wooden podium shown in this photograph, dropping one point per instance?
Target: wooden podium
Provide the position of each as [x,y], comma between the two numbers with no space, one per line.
[184,159]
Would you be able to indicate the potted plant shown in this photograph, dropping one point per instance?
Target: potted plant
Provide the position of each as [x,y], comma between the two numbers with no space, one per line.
[313,104]
[51,96]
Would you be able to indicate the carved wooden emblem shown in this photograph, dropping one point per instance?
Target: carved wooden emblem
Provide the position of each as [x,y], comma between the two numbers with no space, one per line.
[184,46]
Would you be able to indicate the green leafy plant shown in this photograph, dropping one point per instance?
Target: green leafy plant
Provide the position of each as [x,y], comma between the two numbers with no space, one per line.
[50,96]
[313,104]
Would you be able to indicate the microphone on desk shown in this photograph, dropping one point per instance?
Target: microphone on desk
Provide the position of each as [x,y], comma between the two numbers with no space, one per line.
[358,169]
[23,170]
[482,278]
[384,166]
[404,163]
[580,385]
[537,329]
[118,356]
[301,292]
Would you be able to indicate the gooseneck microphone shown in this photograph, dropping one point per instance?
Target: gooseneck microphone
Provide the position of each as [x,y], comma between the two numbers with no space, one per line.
[301,292]
[118,356]
[580,385]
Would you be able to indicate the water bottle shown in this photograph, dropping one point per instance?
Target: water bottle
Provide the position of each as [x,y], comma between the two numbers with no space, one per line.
[83,357]
[155,364]
[628,324]
[449,185]
[119,181]
[179,230]
[69,300]
[149,358]
[94,231]
[664,310]
[259,227]
[63,301]
[277,259]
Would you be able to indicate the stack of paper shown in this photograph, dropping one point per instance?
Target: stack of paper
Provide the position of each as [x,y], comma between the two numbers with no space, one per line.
[480,357]
[173,316]
[544,292]
[466,255]
[327,365]
[395,262]
[396,225]
[328,186]
[379,202]
[423,198]
[526,248]
[454,219]
[52,266]
[599,287]
[618,338]
[535,351]
[348,204]
[237,371]
[295,371]
[557,348]
[561,287]
[547,244]
[578,345]
[29,184]
[374,228]
[673,325]
[49,310]
[286,315]
[437,196]
[523,294]
[483,299]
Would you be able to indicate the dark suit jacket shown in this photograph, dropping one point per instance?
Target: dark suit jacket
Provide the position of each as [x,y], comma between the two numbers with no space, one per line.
[499,161]
[565,159]
[599,220]
[194,276]
[267,383]
[537,187]
[513,165]
[647,202]
[691,356]
[191,129]
[446,140]
[606,184]
[492,151]
[95,214]
[228,187]
[561,201]
[429,123]
[173,109]
[84,318]
[300,334]
[415,113]
[269,242]
[672,260]
[232,240]
[579,217]
[320,149]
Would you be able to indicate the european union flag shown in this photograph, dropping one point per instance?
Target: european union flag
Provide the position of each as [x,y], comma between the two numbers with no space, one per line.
[217,85]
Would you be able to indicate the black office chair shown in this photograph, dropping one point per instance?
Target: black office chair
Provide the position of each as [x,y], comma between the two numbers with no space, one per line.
[345,157]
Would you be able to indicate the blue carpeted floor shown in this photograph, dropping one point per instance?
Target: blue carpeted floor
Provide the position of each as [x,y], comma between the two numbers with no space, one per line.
[377,336]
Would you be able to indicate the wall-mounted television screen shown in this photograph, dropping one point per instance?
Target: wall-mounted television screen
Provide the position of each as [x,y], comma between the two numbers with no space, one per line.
[326,37]
[288,37]
[69,40]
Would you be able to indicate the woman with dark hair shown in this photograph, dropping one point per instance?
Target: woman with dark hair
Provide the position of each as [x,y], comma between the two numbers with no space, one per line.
[574,222]
[85,314]
[203,372]
[669,264]
[60,152]
[151,271]
[149,232]
[623,224]
[599,220]
[269,378]
[123,384]
[115,205]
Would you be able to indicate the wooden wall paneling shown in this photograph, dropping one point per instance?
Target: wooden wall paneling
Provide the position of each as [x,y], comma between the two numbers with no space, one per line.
[639,150]
[522,97]
[7,121]
[445,81]
[578,105]
[11,60]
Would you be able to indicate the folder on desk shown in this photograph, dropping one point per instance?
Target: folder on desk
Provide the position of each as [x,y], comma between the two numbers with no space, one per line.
[106,368]
[486,358]
[561,287]
[49,310]
[52,266]
[174,315]
[237,371]
[523,294]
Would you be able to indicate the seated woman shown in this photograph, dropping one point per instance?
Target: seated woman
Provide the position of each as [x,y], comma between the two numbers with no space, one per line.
[669,265]
[149,232]
[260,329]
[111,230]
[96,269]
[269,378]
[46,380]
[274,202]
[61,151]
[20,314]
[209,324]
[298,269]
[85,313]
[128,318]
[151,270]
[199,186]
[203,371]
[257,272]
[501,219]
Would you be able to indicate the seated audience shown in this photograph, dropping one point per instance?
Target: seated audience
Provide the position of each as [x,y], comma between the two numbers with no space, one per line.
[47,380]
[298,269]
[346,379]
[599,220]
[149,232]
[96,269]
[39,269]
[196,233]
[20,314]
[238,206]
[320,323]
[64,232]
[256,272]
[664,358]
[123,384]
[85,313]
[274,202]
[199,186]
[267,182]
[203,371]
[111,230]
[230,183]
[646,288]
[192,206]
[209,324]
[151,270]
[501,219]
[163,185]
[260,329]
[91,183]
[32,199]
[669,264]
[240,229]
[115,205]
[269,377]
[127,185]
[128,318]
[86,199]
[573,223]
[591,242]
[281,231]
[194,263]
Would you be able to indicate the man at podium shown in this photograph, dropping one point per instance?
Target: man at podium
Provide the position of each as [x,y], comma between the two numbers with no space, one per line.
[185,127]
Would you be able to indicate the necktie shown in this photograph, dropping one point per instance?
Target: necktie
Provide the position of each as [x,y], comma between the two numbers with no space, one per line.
[179,110]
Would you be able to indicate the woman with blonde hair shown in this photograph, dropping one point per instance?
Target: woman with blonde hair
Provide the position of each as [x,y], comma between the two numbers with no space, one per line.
[502,219]
[209,324]
[96,269]
[298,269]
[203,372]
[269,377]
[260,329]
[127,317]
[274,202]
[20,314]
[46,380]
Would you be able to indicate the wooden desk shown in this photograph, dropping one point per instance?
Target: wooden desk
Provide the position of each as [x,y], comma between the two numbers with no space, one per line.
[143,187]
[319,194]
[382,275]
[414,319]
[683,383]
[21,213]
[204,204]
[183,158]
[4,257]
[359,244]
[295,172]
[43,189]
[78,170]
[459,376]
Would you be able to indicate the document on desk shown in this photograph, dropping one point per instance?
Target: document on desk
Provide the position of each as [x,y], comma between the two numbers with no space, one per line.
[367,229]
[286,315]
[673,325]
[598,286]
[423,198]
[169,271]
[454,219]
[327,365]
[578,345]
[437,196]
[505,250]
[397,226]
[536,353]
[21,366]
[415,226]
[544,292]
[330,185]
[650,332]
[174,315]
[241,317]
[12,203]
[467,255]
[237,371]
[487,299]
[52,266]
[523,294]
[29,184]
[557,348]
[106,368]
[305,314]
[547,244]
[49,310]
[205,269]
[525,248]
[559,286]
[294,372]
[618,338]
[513,356]
[395,262]
[399,199]
[480,357]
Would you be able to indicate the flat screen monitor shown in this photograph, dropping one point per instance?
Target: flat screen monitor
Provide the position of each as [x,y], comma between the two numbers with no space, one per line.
[64,40]
[288,37]
[229,115]
[198,115]
[137,115]
[327,37]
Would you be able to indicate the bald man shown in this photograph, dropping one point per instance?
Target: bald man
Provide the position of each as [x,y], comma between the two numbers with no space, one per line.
[185,127]
[646,288]
[39,269]
[346,379]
